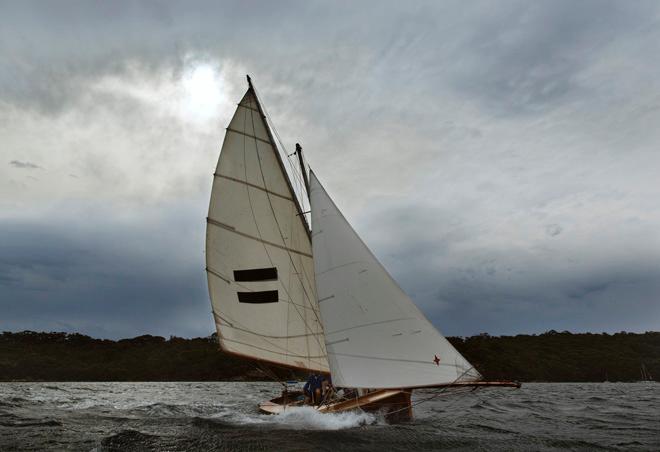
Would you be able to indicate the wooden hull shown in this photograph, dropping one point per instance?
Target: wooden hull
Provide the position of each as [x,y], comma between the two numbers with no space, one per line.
[394,404]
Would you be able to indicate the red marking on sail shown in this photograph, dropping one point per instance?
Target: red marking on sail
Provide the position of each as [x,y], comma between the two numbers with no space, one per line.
[436,360]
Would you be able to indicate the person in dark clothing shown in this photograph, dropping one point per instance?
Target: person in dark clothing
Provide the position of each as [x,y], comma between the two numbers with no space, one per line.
[312,389]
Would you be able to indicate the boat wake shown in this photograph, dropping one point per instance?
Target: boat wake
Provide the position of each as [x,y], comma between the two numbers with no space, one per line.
[308,418]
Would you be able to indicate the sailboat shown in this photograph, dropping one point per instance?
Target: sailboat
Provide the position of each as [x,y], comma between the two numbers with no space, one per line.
[645,374]
[313,298]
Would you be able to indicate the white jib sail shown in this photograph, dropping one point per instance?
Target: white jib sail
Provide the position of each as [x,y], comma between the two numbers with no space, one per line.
[375,335]
[258,252]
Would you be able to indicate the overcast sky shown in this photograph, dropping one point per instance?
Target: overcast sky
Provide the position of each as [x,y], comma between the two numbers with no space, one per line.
[500,157]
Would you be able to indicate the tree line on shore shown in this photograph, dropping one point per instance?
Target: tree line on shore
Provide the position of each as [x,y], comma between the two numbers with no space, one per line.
[549,357]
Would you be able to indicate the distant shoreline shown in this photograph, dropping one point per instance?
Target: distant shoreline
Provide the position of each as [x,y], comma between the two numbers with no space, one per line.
[552,357]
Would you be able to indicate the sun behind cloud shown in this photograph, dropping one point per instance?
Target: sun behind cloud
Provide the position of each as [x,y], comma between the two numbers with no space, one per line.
[205,92]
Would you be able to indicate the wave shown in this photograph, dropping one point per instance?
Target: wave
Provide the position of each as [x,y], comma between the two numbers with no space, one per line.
[130,440]
[160,409]
[309,418]
[31,423]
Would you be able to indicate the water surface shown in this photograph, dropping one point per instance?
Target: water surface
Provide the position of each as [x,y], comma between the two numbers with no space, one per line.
[223,416]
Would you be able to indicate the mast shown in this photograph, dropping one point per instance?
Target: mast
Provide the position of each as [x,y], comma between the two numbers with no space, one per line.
[302,166]
[279,159]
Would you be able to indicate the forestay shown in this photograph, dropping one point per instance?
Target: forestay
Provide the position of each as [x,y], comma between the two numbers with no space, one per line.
[375,335]
[258,252]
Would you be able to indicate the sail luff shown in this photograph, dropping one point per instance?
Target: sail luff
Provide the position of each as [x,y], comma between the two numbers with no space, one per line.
[375,335]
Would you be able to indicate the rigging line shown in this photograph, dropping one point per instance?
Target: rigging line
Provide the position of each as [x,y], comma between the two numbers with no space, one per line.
[223,321]
[370,324]
[250,201]
[303,318]
[248,236]
[291,170]
[276,222]
[230,322]
[290,281]
[392,359]
[259,369]
[229,325]
[308,357]
[301,270]
[299,191]
[342,265]
[304,273]
[443,389]
[266,116]
[269,123]
[298,176]
[233,179]
[272,209]
[241,324]
[295,238]
[268,372]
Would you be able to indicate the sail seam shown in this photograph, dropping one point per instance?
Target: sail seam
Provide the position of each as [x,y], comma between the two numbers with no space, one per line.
[233,229]
[394,359]
[215,314]
[252,185]
[214,273]
[342,265]
[256,223]
[370,324]
[249,135]
[263,115]
[274,147]
[272,351]
[249,108]
[264,335]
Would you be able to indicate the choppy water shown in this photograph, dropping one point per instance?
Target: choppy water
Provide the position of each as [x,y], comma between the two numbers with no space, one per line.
[223,416]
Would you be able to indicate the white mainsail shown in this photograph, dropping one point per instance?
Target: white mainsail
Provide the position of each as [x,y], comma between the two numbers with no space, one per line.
[258,252]
[375,335]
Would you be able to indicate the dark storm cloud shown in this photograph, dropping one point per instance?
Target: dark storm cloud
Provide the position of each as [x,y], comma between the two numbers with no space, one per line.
[525,57]
[23,165]
[104,278]
[505,288]
[498,157]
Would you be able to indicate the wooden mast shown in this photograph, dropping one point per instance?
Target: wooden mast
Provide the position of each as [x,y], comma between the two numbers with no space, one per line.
[302,166]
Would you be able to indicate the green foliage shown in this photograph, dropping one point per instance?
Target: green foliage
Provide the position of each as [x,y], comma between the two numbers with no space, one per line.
[74,357]
[563,357]
[551,356]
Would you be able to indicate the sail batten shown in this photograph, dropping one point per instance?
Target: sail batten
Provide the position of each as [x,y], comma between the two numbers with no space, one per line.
[254,232]
[375,335]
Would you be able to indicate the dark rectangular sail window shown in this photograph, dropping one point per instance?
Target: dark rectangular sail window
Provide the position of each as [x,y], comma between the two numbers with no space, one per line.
[266,296]
[256,274]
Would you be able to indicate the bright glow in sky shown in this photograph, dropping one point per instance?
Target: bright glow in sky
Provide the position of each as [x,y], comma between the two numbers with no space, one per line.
[204,94]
